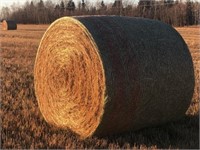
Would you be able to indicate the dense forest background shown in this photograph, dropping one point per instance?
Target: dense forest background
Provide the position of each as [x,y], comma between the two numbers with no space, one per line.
[173,12]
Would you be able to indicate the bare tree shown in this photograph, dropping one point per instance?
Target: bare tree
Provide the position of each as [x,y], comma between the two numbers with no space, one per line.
[70,8]
[62,8]
[174,12]
[5,13]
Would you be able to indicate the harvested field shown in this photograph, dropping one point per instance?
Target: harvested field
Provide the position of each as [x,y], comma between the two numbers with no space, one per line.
[24,127]
[191,36]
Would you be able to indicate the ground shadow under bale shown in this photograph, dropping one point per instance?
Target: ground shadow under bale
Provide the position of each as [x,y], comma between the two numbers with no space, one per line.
[180,134]
[183,134]
[24,127]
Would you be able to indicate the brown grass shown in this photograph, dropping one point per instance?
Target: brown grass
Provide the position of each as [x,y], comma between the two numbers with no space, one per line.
[22,125]
[191,36]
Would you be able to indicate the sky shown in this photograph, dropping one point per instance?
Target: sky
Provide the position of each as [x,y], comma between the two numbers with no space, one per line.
[4,3]
[8,3]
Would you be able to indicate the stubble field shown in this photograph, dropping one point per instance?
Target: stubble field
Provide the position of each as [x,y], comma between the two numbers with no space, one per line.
[22,125]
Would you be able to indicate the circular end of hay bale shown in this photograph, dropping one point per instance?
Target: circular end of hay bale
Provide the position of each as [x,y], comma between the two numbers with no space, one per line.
[4,25]
[69,78]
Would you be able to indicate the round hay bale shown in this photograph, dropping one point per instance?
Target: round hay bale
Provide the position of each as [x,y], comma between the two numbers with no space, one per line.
[9,25]
[106,74]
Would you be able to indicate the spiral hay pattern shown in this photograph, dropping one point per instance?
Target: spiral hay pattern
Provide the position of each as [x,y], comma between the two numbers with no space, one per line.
[106,74]
[9,25]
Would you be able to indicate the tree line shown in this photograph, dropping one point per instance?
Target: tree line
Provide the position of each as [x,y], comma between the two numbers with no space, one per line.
[173,12]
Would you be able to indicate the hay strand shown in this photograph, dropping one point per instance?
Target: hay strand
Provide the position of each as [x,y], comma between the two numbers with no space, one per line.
[106,74]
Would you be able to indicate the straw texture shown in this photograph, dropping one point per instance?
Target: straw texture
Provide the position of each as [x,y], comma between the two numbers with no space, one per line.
[106,74]
[9,25]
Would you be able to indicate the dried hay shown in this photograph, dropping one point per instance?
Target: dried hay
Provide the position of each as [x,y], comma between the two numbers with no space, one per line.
[107,74]
[9,25]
